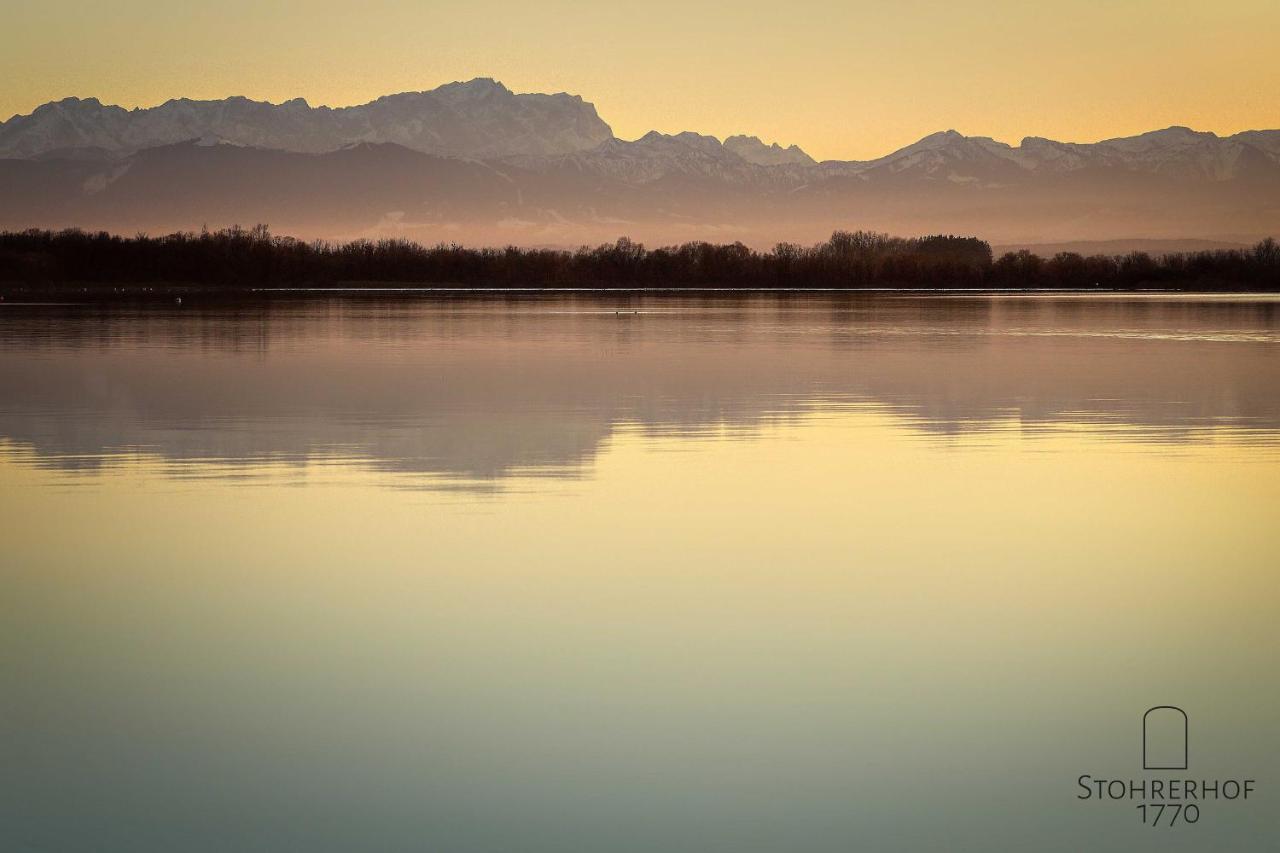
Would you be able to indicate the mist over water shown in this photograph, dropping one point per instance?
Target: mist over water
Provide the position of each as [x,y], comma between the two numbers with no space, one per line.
[633,573]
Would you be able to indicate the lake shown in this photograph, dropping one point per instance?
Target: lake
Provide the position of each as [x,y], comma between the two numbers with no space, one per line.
[634,573]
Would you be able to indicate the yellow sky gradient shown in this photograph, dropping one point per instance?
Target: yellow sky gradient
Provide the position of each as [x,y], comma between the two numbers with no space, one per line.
[841,79]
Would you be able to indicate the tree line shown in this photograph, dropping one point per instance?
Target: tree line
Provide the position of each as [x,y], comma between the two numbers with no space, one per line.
[238,258]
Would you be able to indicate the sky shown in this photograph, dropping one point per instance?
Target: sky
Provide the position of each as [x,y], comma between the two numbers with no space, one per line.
[841,78]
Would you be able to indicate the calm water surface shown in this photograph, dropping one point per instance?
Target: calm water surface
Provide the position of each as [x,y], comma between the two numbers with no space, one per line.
[778,574]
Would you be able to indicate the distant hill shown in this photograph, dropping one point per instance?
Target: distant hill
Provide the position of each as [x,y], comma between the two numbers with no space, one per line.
[475,162]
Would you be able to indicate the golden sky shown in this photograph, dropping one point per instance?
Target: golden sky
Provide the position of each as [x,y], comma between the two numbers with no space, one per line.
[841,78]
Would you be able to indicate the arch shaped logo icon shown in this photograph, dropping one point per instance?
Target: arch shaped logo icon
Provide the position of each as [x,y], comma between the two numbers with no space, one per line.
[1164,738]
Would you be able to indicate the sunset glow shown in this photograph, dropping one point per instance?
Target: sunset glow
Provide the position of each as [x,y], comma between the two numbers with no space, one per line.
[840,79]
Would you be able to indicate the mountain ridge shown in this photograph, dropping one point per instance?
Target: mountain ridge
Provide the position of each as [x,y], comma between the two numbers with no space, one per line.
[482,119]
[479,118]
[474,161]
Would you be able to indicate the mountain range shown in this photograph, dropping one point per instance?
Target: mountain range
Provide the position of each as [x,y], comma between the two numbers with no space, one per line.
[475,162]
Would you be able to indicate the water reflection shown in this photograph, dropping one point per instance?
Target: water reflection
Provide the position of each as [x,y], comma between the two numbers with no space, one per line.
[476,390]
[763,575]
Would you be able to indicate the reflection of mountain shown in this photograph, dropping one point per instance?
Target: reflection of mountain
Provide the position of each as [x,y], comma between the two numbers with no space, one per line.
[475,162]
[481,389]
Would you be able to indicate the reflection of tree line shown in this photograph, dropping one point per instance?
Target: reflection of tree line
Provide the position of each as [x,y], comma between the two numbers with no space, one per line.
[236,258]
[480,388]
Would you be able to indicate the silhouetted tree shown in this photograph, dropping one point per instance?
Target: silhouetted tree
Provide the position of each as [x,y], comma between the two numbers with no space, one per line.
[236,258]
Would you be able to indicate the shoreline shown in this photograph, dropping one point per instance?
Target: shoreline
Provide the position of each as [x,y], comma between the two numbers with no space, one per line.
[68,294]
[253,261]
